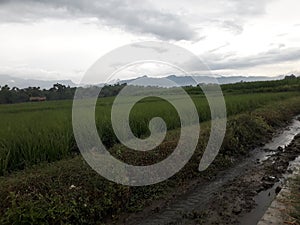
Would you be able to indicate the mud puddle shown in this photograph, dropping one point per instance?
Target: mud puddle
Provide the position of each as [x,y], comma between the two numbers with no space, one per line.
[264,199]
[280,140]
[262,202]
[239,195]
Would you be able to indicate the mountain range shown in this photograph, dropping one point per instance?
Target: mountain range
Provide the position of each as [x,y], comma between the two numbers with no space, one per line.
[194,80]
[144,81]
[24,83]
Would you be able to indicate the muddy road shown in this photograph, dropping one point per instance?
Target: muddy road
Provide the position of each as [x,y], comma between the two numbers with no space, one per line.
[239,195]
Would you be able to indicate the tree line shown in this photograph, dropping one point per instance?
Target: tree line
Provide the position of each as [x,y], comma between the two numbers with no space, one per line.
[57,92]
[289,83]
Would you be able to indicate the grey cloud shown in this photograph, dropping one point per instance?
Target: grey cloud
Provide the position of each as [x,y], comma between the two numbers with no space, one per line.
[272,56]
[234,13]
[141,16]
[218,48]
[233,26]
[248,8]
[133,16]
[159,50]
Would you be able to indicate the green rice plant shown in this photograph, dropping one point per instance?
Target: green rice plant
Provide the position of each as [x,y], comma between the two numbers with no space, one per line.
[32,133]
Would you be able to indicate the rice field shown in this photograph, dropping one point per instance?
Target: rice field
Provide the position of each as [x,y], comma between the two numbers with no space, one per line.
[42,132]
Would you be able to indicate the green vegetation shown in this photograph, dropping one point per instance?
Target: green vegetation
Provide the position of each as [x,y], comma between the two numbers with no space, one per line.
[294,200]
[37,132]
[45,180]
[10,95]
[290,83]
[70,192]
[57,92]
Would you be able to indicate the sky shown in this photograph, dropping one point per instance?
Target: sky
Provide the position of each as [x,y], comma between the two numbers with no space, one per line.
[61,39]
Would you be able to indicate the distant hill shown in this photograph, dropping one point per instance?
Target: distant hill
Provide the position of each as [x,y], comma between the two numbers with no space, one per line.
[143,80]
[194,80]
[24,83]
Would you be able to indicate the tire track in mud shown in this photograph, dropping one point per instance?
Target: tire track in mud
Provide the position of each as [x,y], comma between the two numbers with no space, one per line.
[231,195]
[196,199]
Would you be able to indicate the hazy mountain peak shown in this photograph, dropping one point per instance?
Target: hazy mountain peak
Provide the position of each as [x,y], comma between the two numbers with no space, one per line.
[24,83]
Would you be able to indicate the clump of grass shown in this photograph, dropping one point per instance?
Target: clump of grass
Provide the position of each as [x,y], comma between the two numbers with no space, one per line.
[67,192]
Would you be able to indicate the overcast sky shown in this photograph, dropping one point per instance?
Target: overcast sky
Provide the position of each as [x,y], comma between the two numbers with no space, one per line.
[60,39]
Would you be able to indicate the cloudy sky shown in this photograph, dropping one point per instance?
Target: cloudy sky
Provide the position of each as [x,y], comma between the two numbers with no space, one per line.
[60,39]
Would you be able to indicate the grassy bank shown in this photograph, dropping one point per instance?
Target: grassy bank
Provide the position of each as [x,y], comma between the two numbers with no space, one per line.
[69,192]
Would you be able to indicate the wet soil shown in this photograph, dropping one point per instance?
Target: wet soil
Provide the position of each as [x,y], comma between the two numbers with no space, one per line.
[246,198]
[239,195]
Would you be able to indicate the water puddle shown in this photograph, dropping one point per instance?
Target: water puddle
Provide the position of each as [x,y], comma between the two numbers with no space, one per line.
[264,199]
[281,140]
[285,137]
